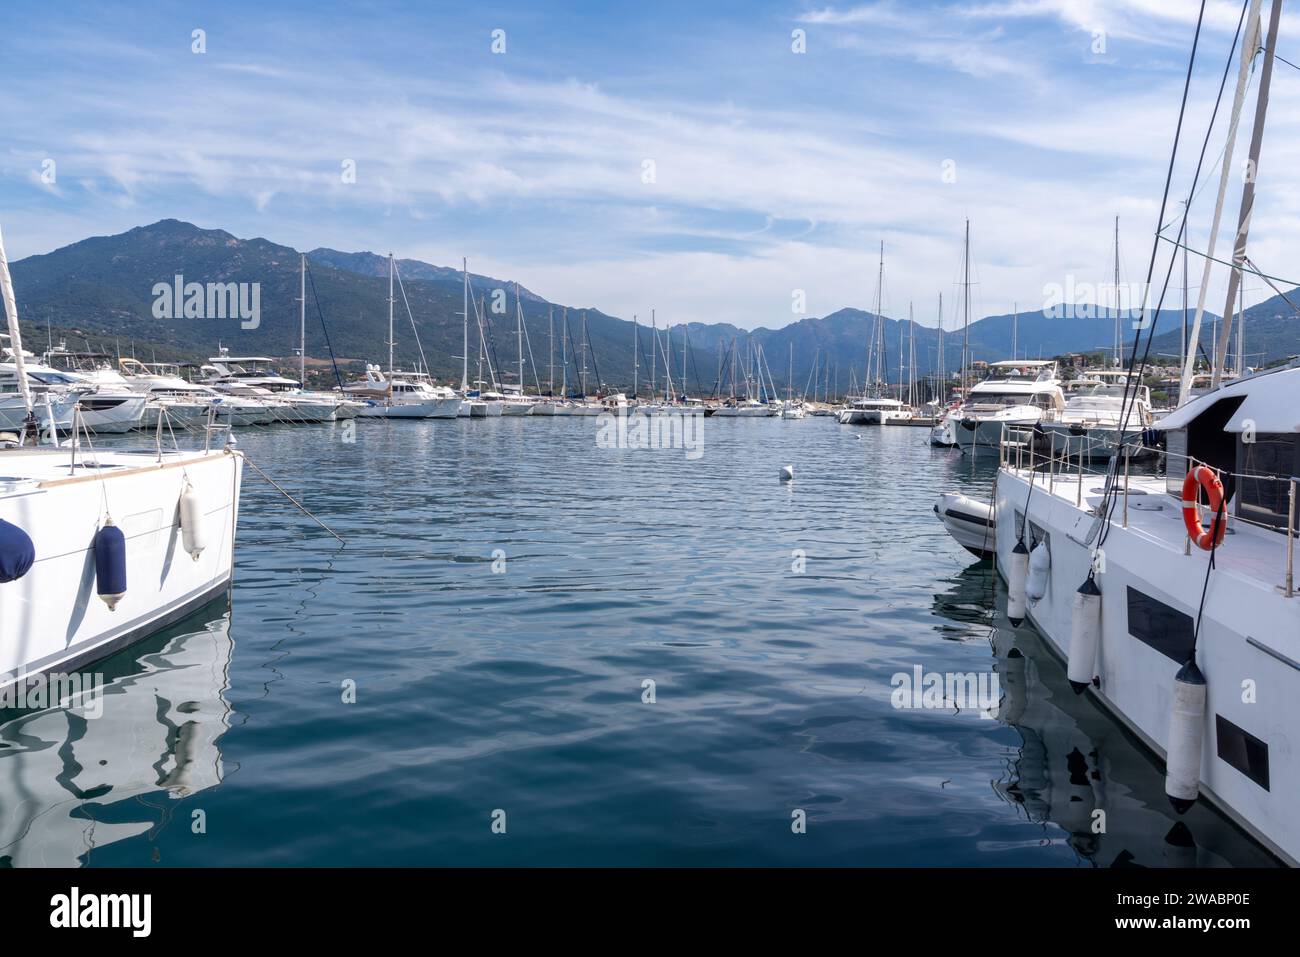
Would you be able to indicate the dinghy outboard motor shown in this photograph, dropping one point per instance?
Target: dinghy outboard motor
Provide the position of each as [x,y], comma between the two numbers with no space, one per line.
[17,553]
[1186,738]
[1019,572]
[110,564]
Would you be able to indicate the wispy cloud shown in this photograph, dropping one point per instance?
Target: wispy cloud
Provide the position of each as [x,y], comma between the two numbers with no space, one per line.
[597,174]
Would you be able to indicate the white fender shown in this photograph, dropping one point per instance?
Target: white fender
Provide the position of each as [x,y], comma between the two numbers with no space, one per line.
[191,509]
[1085,635]
[1040,564]
[1186,738]
[1019,571]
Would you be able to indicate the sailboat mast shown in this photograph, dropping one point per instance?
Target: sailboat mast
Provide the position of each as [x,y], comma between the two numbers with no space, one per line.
[584,355]
[564,354]
[464,352]
[1249,45]
[1119,358]
[686,329]
[911,357]
[390,313]
[1015,323]
[942,382]
[15,337]
[789,376]
[302,321]
[965,342]
[654,351]
[1248,193]
[519,336]
[1182,341]
[900,353]
[636,359]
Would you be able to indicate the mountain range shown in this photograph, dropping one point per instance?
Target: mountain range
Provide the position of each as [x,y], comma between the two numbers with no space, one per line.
[102,290]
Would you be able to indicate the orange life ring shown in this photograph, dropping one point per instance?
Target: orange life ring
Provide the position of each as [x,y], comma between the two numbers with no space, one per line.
[1203,477]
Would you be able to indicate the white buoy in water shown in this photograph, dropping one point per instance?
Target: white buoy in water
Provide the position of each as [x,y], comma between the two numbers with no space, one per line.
[1019,572]
[1040,563]
[787,473]
[1085,635]
[1186,738]
[191,509]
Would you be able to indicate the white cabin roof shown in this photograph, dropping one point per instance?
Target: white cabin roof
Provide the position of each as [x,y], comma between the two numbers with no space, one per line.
[1272,404]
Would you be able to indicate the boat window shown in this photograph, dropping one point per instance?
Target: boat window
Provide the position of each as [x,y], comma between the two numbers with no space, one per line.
[1266,500]
[1241,749]
[1167,630]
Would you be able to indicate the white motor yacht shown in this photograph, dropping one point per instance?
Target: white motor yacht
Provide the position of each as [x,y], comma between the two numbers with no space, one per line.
[253,376]
[1089,424]
[1016,394]
[102,410]
[402,395]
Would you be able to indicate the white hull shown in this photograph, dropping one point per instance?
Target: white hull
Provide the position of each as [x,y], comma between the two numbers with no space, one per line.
[984,435]
[429,409]
[944,435]
[1247,632]
[479,409]
[52,617]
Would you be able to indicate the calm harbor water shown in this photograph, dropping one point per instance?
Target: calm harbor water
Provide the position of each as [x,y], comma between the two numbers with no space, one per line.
[770,618]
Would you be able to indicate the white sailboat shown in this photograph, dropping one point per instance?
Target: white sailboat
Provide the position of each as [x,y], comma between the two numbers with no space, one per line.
[100,549]
[396,394]
[513,400]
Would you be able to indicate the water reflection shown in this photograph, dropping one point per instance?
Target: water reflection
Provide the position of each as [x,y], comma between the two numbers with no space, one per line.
[71,781]
[1076,769]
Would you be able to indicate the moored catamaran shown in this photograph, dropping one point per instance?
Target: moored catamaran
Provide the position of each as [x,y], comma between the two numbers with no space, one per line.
[1182,618]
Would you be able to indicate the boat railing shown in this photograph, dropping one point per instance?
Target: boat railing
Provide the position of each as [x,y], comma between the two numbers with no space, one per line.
[1020,451]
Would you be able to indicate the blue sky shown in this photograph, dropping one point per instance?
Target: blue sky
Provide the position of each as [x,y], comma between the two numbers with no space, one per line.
[774,171]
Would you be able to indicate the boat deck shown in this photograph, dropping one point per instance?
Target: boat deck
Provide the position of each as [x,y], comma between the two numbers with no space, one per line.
[1249,551]
[22,470]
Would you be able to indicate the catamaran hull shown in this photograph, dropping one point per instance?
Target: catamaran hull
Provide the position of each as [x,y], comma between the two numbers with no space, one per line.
[51,618]
[1247,632]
